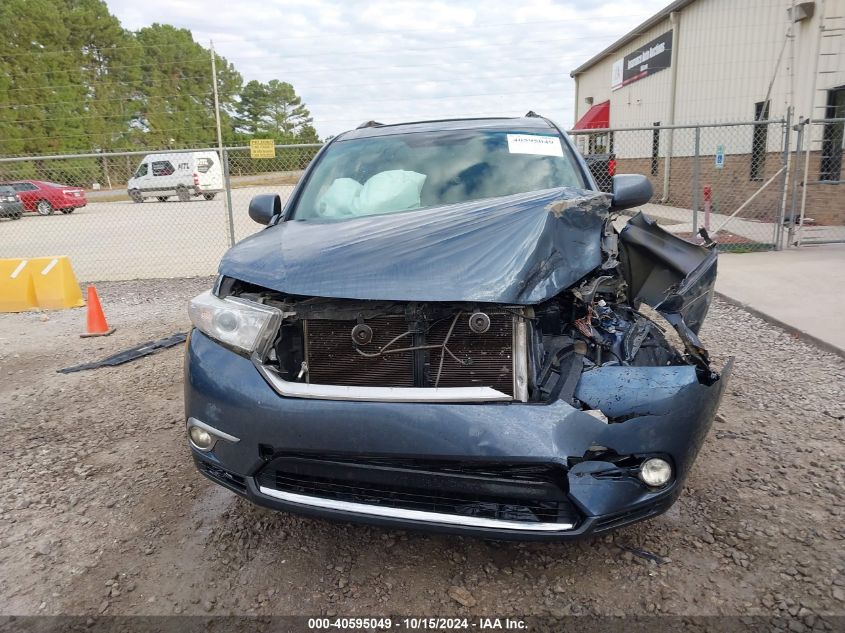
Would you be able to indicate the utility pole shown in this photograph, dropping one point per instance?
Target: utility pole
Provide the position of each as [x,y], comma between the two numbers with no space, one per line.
[222,152]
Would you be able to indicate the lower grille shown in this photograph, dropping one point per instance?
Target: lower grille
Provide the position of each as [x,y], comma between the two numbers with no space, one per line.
[480,360]
[529,496]
[221,476]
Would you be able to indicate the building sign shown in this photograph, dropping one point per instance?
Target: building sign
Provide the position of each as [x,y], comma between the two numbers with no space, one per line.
[646,60]
[262,148]
[720,156]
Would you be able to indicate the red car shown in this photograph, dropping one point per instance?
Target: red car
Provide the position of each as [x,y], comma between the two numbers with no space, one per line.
[46,197]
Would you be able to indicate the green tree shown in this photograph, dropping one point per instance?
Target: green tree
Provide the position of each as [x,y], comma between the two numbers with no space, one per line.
[252,108]
[72,79]
[177,100]
[287,115]
[274,109]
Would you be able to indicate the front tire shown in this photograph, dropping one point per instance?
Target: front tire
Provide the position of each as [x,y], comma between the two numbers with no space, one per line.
[136,196]
[43,207]
[209,196]
[183,194]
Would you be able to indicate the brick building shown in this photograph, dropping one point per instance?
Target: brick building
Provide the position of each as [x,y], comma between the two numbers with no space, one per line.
[723,61]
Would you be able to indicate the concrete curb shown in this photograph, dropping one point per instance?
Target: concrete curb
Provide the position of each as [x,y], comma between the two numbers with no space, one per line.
[801,334]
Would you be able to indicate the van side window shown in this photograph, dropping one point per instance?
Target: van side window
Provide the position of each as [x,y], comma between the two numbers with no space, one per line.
[162,168]
[141,171]
[204,164]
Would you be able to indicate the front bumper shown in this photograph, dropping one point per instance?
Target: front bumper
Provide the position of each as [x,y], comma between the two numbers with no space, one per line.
[227,392]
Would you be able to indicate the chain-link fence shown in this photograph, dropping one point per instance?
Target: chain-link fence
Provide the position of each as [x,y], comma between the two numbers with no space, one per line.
[173,213]
[729,179]
[816,208]
[132,215]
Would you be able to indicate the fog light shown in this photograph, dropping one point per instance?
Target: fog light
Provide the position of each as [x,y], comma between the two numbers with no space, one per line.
[655,472]
[201,438]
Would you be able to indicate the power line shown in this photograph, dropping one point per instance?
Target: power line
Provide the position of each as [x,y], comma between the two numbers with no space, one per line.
[141,102]
[397,32]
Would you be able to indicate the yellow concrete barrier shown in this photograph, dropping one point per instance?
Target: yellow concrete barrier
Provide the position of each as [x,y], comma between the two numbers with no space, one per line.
[17,292]
[38,282]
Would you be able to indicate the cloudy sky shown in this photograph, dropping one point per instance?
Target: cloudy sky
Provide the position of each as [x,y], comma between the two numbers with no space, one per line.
[398,60]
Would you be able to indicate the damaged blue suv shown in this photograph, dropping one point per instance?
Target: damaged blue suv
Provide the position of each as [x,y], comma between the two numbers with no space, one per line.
[442,329]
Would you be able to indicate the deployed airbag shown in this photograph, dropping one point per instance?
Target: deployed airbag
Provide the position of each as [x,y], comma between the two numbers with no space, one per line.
[386,192]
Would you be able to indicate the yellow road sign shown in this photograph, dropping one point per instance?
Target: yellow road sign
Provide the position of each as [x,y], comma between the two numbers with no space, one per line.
[262,148]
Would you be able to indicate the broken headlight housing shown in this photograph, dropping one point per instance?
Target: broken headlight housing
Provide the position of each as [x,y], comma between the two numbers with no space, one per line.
[243,325]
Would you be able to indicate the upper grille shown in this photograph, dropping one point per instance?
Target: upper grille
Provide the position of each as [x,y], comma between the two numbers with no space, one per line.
[332,359]
[486,360]
[488,357]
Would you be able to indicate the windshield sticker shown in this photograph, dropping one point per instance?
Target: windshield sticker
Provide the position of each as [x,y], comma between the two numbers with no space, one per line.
[534,144]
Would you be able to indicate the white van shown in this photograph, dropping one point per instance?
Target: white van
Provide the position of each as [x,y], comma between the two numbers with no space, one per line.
[180,174]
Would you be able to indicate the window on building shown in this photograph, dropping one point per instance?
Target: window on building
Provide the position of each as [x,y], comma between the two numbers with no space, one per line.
[833,137]
[758,140]
[655,148]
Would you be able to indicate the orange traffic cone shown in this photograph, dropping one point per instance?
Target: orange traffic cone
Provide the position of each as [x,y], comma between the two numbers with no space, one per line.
[97,325]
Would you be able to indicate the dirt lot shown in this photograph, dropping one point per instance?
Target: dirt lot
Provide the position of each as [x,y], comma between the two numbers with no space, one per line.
[102,511]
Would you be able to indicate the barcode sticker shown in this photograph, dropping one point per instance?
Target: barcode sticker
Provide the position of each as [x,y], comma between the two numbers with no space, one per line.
[540,145]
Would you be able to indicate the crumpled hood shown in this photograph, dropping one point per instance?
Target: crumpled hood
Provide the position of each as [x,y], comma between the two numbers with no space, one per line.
[519,249]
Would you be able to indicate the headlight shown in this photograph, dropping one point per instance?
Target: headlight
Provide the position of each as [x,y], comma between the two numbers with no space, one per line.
[655,472]
[244,325]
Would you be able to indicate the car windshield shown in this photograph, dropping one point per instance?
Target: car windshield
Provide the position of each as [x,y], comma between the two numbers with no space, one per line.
[401,172]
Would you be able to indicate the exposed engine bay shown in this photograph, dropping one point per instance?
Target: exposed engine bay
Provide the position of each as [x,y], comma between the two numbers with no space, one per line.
[527,353]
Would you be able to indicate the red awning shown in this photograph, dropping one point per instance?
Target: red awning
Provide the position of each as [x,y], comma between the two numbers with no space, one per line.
[597,117]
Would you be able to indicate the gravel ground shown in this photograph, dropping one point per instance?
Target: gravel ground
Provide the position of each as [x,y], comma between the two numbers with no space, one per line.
[102,511]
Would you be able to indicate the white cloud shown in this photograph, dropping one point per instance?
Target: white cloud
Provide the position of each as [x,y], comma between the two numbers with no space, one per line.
[400,60]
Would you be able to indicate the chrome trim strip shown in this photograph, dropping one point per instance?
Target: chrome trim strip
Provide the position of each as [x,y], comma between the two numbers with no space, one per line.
[215,432]
[413,515]
[380,394]
[520,358]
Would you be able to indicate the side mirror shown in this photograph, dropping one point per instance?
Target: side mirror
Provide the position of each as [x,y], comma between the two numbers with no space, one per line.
[630,190]
[263,208]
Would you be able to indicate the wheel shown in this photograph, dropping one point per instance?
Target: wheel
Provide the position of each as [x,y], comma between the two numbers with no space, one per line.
[16,216]
[182,193]
[136,196]
[44,207]
[68,211]
[161,198]
[209,196]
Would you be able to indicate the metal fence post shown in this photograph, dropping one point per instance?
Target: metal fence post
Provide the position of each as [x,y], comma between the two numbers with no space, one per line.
[797,178]
[696,181]
[227,181]
[785,162]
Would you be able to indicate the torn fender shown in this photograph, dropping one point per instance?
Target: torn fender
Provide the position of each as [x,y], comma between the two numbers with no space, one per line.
[673,276]
[519,249]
